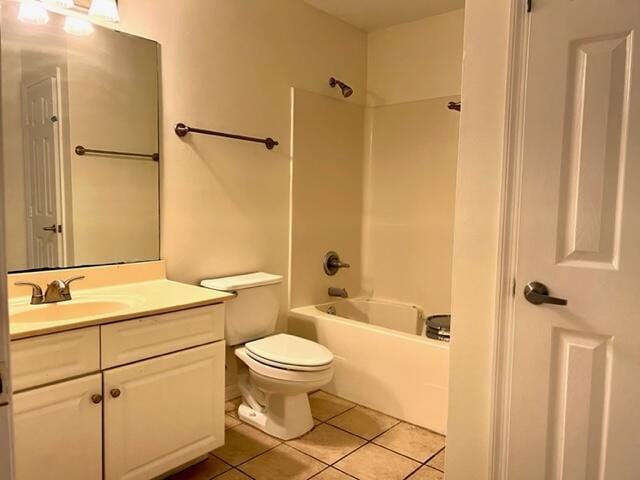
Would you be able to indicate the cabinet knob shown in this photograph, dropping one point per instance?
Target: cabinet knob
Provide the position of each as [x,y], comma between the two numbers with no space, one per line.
[115,392]
[96,398]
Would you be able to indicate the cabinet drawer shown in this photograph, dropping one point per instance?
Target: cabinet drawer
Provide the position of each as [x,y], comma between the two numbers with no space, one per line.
[134,340]
[50,358]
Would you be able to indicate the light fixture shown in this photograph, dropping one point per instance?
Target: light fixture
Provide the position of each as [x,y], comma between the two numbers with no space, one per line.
[60,3]
[78,26]
[105,10]
[32,11]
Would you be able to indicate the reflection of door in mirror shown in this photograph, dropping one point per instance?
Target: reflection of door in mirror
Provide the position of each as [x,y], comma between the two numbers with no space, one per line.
[80,144]
[45,233]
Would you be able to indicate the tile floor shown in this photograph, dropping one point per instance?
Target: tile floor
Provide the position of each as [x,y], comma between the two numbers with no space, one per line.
[349,441]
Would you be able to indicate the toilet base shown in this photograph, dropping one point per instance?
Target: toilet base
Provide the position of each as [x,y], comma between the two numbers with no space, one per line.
[283,417]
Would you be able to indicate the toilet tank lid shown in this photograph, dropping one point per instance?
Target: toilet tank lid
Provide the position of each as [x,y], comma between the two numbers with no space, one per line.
[238,282]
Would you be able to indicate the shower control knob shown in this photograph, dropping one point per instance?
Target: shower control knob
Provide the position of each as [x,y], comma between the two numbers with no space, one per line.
[332,263]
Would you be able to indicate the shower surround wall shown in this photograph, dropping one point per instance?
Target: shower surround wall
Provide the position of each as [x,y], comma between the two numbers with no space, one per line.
[377,183]
[414,70]
[327,194]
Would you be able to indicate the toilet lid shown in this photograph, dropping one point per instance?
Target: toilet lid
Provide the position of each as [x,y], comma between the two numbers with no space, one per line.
[290,350]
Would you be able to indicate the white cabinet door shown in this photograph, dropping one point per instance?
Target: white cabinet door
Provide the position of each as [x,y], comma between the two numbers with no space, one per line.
[163,412]
[58,431]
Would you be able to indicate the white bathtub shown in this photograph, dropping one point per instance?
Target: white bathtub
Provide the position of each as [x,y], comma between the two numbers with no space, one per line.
[382,358]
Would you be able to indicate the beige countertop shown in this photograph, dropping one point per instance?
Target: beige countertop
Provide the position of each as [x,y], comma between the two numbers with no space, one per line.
[96,306]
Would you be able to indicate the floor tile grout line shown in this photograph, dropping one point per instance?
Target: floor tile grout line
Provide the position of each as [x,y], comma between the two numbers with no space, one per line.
[413,472]
[377,411]
[334,464]
[360,436]
[337,415]
[330,467]
[245,474]
[367,442]
[323,461]
[434,456]
[398,453]
[251,458]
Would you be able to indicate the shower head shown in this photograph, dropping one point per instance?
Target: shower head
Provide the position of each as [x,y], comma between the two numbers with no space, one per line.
[347,91]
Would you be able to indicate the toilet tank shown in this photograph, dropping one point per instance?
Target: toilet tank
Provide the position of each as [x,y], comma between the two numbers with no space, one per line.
[253,313]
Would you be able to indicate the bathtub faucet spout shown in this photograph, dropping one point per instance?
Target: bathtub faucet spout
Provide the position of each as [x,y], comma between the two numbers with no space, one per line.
[338,292]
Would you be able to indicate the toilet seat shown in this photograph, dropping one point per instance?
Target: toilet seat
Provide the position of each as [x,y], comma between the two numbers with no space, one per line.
[286,374]
[290,352]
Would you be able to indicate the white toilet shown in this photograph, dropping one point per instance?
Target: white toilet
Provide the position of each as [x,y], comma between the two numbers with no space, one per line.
[282,369]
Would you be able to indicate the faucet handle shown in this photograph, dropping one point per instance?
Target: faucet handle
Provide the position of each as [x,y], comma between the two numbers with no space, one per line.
[36,291]
[66,291]
[73,279]
[332,263]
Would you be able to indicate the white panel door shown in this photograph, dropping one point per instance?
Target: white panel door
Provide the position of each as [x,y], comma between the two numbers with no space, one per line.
[58,431]
[576,374]
[163,412]
[42,156]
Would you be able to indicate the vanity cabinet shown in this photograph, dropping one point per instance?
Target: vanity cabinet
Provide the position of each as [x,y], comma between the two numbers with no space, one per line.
[58,431]
[164,412]
[153,390]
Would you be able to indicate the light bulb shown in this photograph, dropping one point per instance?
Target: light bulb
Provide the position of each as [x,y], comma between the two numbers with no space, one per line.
[105,10]
[61,3]
[32,11]
[78,26]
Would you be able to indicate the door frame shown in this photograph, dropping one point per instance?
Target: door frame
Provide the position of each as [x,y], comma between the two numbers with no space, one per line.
[6,467]
[510,207]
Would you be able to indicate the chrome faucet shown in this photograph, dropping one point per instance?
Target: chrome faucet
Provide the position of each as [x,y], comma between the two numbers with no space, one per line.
[57,291]
[338,292]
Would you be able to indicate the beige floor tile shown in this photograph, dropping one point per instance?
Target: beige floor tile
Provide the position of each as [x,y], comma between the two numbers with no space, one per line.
[376,463]
[327,443]
[242,443]
[332,474]
[231,406]
[364,422]
[412,441]
[205,470]
[230,422]
[233,475]
[427,473]
[438,461]
[282,462]
[325,406]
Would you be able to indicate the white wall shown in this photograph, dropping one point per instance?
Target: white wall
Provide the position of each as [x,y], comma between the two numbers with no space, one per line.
[416,60]
[229,65]
[476,238]
[410,169]
[326,195]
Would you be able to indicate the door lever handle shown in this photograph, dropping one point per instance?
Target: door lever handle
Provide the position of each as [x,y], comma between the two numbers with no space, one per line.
[52,228]
[538,293]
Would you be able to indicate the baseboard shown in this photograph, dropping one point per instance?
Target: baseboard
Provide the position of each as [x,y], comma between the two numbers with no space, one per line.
[231,392]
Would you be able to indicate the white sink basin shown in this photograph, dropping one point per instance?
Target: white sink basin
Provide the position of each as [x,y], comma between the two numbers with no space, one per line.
[83,308]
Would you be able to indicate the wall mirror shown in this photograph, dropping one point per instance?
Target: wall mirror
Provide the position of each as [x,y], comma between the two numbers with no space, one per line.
[79,143]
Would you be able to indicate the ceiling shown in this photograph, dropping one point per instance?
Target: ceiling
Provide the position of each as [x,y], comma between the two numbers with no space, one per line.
[371,15]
